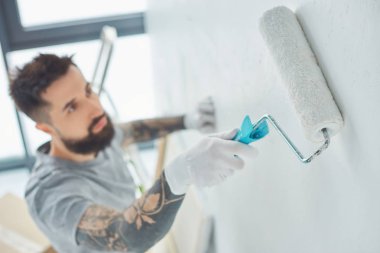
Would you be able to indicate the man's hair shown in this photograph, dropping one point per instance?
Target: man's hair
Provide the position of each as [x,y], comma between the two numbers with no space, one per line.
[32,79]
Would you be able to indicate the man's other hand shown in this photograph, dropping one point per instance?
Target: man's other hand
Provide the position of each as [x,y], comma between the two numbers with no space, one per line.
[203,118]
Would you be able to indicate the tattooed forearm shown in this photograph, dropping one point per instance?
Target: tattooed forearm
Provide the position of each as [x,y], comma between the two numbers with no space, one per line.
[135,229]
[149,129]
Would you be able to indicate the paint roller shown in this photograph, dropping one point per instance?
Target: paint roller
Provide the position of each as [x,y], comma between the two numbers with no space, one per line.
[306,85]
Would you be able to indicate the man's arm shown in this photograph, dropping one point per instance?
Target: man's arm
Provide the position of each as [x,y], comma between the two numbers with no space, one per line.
[150,129]
[137,228]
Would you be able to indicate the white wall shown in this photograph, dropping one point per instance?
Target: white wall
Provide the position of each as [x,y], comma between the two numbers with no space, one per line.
[277,204]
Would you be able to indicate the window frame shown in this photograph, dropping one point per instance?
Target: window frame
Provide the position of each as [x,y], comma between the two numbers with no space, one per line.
[13,36]
[19,37]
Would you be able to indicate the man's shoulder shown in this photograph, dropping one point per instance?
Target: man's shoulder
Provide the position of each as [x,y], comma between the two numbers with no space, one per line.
[49,176]
[48,185]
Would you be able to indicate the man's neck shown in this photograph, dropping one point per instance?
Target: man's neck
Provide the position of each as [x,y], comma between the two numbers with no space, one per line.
[57,149]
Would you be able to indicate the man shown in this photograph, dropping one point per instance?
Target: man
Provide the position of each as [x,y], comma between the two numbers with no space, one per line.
[80,192]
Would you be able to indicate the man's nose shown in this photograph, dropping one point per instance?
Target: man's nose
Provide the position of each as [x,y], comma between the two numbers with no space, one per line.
[96,108]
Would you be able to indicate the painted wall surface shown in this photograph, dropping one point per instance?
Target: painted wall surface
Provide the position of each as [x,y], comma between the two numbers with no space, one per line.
[277,204]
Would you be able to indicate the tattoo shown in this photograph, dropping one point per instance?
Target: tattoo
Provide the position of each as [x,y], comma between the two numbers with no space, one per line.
[137,228]
[149,129]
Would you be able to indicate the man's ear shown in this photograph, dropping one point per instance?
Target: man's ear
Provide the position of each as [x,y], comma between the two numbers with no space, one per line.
[45,128]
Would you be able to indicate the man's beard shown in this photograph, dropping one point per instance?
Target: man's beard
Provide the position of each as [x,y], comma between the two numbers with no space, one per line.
[92,143]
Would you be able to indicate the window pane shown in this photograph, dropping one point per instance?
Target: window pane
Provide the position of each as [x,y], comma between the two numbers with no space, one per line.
[38,12]
[10,144]
[129,79]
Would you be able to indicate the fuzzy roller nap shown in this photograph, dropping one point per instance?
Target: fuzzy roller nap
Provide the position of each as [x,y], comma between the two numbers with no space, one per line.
[301,74]
[298,67]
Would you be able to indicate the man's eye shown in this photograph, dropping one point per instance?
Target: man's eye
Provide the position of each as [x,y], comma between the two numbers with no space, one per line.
[88,91]
[71,108]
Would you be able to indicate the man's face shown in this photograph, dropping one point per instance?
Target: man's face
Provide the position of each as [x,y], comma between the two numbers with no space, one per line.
[77,117]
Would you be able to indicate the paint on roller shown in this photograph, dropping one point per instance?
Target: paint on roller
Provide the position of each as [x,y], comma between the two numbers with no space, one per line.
[301,74]
[251,132]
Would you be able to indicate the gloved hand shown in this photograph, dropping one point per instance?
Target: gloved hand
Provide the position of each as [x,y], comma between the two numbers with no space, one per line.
[203,119]
[208,163]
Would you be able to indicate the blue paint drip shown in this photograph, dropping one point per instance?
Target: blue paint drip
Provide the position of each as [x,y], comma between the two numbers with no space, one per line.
[246,133]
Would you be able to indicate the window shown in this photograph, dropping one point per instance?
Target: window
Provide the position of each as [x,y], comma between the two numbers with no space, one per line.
[46,23]
[41,12]
[10,144]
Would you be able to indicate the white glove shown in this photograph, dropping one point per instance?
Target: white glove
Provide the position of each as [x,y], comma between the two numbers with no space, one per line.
[203,119]
[208,163]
